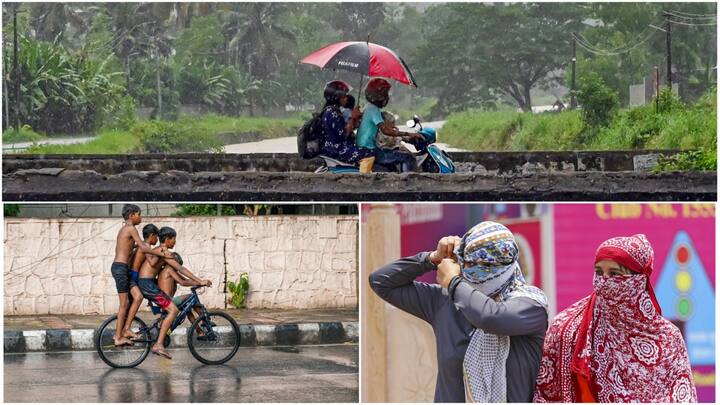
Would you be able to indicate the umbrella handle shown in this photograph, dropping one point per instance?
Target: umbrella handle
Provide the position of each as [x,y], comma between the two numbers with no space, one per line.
[362,77]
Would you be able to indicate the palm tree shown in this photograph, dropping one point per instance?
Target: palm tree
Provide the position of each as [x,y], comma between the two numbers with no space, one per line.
[48,20]
[143,30]
[254,36]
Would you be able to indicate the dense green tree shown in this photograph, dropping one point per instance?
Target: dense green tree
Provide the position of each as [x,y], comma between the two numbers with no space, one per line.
[485,51]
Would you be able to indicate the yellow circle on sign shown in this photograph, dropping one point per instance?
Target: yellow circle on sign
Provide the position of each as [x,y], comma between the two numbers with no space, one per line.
[683,281]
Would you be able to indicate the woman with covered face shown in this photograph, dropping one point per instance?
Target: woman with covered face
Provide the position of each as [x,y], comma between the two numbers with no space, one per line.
[614,345]
[488,323]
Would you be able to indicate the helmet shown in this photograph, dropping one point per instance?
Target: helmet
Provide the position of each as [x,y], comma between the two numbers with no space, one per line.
[378,92]
[334,90]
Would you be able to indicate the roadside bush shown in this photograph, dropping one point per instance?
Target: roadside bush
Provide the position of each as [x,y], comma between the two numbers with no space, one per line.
[168,137]
[190,210]
[599,102]
[11,210]
[703,159]
[675,126]
[125,116]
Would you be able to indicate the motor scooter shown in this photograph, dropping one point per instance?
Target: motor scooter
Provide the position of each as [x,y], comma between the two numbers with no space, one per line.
[428,156]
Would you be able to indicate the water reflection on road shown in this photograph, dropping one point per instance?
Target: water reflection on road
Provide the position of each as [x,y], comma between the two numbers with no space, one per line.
[304,374]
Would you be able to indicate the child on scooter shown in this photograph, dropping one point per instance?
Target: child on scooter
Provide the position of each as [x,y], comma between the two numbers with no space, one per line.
[377,93]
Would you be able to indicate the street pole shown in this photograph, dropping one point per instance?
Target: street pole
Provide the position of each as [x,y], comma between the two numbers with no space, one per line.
[573,103]
[15,71]
[668,41]
[657,90]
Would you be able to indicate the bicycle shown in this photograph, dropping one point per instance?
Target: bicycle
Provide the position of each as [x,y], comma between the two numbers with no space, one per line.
[218,344]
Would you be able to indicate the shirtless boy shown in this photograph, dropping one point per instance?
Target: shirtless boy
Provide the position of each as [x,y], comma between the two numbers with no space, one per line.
[150,236]
[127,239]
[150,290]
[168,280]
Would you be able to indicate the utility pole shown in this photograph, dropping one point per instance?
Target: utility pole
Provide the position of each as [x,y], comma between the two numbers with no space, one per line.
[657,90]
[668,41]
[15,71]
[573,103]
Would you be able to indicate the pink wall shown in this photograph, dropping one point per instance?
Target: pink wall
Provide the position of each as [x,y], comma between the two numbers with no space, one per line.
[580,228]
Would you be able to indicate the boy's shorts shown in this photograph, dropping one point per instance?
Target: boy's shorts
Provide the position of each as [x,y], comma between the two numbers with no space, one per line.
[180,299]
[121,274]
[134,276]
[150,290]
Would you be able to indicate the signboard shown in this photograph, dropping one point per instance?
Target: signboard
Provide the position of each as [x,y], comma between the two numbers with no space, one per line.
[527,236]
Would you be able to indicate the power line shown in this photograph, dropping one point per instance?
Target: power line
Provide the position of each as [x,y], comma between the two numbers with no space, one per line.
[585,44]
[692,25]
[690,15]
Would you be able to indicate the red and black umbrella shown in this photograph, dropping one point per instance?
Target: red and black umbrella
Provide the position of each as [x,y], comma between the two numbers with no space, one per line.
[365,58]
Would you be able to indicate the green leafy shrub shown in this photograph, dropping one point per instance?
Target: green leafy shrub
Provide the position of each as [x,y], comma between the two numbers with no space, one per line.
[190,210]
[676,126]
[62,91]
[702,160]
[168,137]
[124,117]
[599,102]
[11,210]
[239,291]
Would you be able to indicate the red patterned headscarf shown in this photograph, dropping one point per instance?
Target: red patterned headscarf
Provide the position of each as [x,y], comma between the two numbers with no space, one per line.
[617,339]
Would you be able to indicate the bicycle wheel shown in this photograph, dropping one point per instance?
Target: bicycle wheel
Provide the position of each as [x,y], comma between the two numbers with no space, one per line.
[122,356]
[221,340]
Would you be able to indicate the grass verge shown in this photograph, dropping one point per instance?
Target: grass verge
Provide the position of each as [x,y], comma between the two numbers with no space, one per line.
[140,137]
[676,126]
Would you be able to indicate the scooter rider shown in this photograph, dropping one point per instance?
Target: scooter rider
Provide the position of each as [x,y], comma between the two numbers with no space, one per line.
[338,143]
[377,93]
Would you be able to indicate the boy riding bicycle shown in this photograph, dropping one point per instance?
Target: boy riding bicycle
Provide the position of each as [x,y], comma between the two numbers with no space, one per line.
[168,280]
[127,239]
[150,236]
[150,290]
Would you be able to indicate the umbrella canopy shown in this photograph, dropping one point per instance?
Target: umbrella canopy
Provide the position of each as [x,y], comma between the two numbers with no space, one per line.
[362,57]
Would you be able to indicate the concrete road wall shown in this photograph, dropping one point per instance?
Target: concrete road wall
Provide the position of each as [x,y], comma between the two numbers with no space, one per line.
[63,266]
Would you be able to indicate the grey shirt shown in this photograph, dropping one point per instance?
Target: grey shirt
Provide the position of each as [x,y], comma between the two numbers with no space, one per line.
[523,319]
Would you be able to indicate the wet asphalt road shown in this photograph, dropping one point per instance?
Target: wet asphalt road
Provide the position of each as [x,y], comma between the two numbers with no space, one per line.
[321,373]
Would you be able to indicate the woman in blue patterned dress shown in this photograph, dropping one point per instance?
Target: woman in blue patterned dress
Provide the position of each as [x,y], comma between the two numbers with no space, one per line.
[338,143]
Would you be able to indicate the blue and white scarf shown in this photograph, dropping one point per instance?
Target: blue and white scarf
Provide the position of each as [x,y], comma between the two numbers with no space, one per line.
[491,255]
